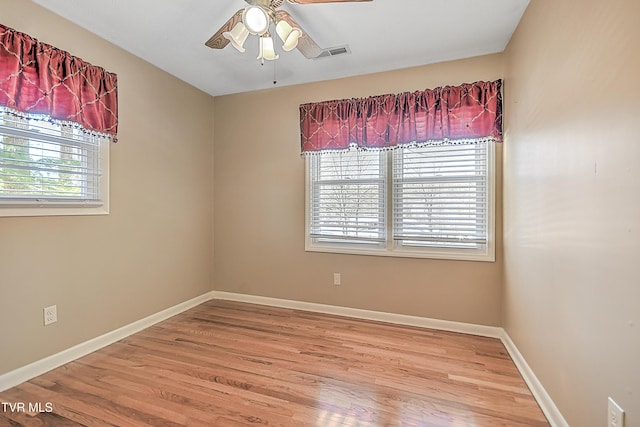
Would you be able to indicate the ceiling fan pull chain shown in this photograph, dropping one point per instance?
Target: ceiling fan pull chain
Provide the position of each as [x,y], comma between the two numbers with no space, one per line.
[275,79]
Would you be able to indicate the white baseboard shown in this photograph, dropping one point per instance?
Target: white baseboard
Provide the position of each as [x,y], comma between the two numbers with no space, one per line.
[539,393]
[20,375]
[547,405]
[400,319]
[25,373]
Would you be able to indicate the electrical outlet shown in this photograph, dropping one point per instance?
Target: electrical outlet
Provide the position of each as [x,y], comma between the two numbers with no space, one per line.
[615,415]
[50,315]
[337,279]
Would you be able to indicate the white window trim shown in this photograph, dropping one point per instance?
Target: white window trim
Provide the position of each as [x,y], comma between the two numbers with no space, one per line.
[63,208]
[393,250]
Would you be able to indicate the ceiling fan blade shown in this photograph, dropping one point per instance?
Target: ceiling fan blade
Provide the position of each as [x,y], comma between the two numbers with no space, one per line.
[217,41]
[306,45]
[324,1]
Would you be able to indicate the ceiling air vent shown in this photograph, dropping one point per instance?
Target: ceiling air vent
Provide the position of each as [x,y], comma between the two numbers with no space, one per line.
[334,51]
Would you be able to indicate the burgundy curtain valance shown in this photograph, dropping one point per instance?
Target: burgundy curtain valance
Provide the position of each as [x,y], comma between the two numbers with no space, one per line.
[469,112]
[37,78]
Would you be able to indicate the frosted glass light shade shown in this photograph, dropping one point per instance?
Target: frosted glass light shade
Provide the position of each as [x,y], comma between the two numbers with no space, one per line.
[237,36]
[255,19]
[288,35]
[266,49]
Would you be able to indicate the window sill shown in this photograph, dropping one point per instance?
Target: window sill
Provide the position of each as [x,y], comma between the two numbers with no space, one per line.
[443,254]
[43,210]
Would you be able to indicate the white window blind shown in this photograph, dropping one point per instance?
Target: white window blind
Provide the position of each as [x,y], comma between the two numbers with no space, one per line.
[347,198]
[43,162]
[441,196]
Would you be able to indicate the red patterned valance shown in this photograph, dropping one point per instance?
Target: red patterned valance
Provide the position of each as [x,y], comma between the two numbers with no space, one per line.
[471,111]
[37,78]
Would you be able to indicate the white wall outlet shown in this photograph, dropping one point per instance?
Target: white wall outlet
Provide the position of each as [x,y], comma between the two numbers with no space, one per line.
[50,315]
[615,414]
[337,279]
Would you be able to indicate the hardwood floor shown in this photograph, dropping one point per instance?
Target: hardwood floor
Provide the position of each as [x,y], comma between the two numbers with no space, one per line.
[233,364]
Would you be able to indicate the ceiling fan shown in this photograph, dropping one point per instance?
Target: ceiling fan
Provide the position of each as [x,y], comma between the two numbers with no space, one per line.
[257,18]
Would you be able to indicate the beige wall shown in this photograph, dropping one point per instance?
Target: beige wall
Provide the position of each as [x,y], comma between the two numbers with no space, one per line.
[153,251]
[259,199]
[572,203]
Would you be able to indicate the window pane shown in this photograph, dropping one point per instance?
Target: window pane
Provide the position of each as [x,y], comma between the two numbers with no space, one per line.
[44,161]
[440,196]
[347,197]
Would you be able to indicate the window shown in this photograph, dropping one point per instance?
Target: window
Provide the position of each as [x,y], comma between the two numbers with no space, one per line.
[50,168]
[430,202]
[348,199]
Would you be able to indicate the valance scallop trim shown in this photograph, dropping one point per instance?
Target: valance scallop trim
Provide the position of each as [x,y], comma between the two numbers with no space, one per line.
[48,119]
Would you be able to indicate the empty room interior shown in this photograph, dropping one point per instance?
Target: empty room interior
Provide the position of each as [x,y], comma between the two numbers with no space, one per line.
[214,281]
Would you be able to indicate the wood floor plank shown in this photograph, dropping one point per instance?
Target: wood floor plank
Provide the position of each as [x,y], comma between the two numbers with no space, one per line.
[235,364]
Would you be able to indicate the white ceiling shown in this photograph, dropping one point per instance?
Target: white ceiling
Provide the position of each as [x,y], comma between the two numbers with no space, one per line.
[382,35]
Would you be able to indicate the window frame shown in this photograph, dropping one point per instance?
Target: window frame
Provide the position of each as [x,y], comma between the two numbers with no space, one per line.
[30,207]
[381,196]
[392,248]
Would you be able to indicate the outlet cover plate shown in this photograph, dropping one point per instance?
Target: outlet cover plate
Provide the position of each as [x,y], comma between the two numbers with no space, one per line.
[50,315]
[615,414]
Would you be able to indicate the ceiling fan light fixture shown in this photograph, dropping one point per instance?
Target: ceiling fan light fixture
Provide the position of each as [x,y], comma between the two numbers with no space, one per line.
[288,34]
[266,48]
[256,19]
[237,36]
